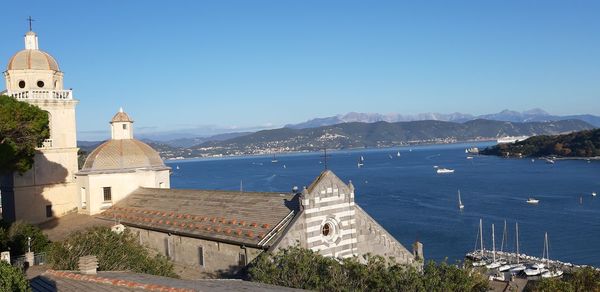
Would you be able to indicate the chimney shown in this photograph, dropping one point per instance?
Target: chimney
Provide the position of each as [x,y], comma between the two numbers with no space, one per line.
[88,265]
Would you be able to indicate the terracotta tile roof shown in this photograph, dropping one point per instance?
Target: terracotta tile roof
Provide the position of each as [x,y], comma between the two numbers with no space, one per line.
[121,116]
[241,218]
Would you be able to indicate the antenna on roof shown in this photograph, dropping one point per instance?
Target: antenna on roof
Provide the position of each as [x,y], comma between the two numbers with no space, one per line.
[30,20]
[120,109]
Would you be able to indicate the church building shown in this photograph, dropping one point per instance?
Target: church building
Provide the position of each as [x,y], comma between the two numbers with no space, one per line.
[47,190]
[117,167]
[125,182]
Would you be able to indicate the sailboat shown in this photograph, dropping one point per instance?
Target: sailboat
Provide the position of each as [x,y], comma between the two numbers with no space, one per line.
[460,204]
[274,160]
[177,167]
[550,273]
[494,264]
[361,161]
[518,267]
[539,268]
[398,154]
[480,258]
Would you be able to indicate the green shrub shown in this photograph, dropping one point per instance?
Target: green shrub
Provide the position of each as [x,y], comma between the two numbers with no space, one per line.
[302,268]
[17,238]
[12,279]
[115,252]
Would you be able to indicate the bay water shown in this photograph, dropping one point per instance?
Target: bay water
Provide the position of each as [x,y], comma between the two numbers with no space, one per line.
[408,198]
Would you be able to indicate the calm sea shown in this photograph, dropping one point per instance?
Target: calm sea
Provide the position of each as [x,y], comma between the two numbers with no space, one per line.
[411,201]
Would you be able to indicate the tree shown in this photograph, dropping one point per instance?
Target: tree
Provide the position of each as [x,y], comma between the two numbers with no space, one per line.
[12,279]
[115,252]
[22,128]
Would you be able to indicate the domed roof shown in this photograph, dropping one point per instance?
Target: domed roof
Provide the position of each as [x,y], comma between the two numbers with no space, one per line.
[123,155]
[32,59]
[121,116]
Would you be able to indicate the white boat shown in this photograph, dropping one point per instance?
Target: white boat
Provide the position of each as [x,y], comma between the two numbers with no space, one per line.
[398,154]
[361,161]
[274,160]
[552,274]
[518,268]
[469,157]
[549,160]
[593,194]
[532,201]
[460,204]
[472,150]
[445,170]
[535,270]
[510,139]
[177,167]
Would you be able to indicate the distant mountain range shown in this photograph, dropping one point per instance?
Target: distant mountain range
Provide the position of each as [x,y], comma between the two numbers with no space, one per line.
[378,134]
[533,115]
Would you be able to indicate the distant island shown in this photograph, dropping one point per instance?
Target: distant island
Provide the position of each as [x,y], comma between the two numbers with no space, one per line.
[583,144]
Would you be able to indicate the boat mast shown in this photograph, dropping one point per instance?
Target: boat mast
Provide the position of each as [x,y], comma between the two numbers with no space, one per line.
[504,237]
[547,249]
[493,244]
[517,231]
[481,235]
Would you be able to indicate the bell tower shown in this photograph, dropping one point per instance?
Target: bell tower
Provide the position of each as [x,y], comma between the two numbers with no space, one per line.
[48,190]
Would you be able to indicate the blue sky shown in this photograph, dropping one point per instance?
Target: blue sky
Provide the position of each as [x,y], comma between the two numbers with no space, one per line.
[246,64]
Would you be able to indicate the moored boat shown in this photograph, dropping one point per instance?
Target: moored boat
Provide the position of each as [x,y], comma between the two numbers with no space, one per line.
[532,201]
[444,170]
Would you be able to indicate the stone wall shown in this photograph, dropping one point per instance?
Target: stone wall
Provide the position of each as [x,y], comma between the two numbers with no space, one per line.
[374,239]
[217,257]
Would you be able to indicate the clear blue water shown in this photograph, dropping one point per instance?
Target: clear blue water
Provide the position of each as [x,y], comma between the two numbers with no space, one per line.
[411,201]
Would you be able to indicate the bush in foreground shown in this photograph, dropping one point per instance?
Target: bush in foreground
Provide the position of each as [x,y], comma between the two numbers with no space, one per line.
[115,252]
[12,279]
[581,280]
[302,268]
[14,238]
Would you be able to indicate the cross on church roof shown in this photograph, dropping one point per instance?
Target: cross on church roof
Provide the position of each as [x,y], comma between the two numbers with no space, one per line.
[325,157]
[30,20]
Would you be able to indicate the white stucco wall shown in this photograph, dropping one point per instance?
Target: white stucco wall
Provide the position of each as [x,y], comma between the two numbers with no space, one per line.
[121,184]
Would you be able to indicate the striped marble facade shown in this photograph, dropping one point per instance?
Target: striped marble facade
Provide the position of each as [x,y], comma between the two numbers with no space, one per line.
[329,201]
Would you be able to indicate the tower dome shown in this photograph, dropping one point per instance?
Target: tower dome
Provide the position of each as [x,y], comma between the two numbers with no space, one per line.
[32,57]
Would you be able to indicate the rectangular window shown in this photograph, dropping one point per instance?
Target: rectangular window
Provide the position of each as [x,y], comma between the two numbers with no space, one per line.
[124,126]
[49,212]
[107,194]
[201,256]
[242,259]
[167,247]
[83,198]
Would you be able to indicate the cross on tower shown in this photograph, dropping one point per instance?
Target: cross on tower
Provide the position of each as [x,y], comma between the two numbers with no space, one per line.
[30,20]
[325,157]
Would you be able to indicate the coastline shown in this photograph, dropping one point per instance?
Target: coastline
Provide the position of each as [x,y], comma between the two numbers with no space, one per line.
[231,156]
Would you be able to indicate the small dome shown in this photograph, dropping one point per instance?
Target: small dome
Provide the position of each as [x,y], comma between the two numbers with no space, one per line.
[123,155]
[32,59]
[121,116]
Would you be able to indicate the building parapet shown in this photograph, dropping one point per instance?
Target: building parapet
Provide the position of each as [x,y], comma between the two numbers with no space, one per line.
[40,94]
